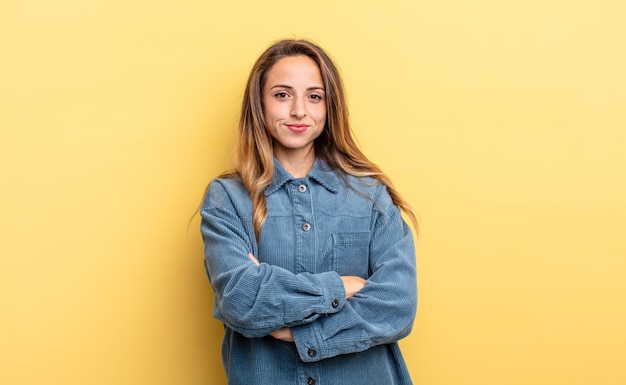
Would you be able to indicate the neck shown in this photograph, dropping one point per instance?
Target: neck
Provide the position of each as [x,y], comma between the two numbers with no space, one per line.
[297,166]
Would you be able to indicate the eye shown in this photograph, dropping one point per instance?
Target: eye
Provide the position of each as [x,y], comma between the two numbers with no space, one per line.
[281,95]
[316,97]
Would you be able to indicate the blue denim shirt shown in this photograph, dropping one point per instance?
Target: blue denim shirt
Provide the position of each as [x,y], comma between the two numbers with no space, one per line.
[318,228]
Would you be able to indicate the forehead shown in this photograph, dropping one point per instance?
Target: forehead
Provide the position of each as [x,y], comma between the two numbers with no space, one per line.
[294,71]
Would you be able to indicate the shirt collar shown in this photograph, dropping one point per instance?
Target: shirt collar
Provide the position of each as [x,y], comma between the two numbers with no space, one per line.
[320,173]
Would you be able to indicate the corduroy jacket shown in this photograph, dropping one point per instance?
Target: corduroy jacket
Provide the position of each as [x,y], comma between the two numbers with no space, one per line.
[318,228]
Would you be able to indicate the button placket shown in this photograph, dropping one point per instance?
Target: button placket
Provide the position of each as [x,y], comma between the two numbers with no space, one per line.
[301,198]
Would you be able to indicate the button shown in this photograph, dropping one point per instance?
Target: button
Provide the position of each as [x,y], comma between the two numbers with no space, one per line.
[310,381]
[312,352]
[302,188]
[306,227]
[335,303]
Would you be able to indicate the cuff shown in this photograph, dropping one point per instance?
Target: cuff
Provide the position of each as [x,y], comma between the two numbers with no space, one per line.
[309,342]
[333,292]
[328,298]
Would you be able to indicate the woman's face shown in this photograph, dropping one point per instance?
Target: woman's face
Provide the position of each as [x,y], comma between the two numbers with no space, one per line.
[294,103]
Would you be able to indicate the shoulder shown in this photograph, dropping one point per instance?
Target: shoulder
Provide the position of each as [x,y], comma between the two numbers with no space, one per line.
[361,196]
[225,191]
[342,182]
[371,187]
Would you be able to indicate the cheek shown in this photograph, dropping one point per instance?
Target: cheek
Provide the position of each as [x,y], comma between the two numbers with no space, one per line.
[323,119]
[320,114]
[273,111]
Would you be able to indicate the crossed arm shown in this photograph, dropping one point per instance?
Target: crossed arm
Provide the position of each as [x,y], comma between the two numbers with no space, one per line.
[310,309]
[351,284]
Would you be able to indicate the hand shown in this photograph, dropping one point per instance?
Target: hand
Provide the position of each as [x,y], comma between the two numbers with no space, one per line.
[283,334]
[352,284]
[256,261]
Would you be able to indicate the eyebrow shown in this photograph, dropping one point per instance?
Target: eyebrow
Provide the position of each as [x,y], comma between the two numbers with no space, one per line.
[291,88]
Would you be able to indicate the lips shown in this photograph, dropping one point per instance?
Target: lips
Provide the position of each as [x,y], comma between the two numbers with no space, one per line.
[297,128]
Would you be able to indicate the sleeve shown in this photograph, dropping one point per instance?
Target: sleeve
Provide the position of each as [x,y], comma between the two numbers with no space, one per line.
[256,300]
[384,310]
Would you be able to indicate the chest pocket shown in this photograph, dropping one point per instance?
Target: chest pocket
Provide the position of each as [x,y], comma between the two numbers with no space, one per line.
[351,253]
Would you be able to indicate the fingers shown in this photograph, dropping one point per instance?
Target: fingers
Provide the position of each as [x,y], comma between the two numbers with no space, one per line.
[283,334]
[352,284]
[256,261]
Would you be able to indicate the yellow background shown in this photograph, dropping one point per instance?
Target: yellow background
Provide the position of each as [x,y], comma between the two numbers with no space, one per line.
[502,122]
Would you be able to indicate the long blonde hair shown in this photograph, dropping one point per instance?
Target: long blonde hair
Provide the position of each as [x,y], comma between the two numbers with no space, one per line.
[254,160]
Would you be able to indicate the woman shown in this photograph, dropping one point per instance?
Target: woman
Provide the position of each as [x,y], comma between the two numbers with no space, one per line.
[312,265]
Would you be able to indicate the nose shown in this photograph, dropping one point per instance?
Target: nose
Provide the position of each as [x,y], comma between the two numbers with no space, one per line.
[298,108]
